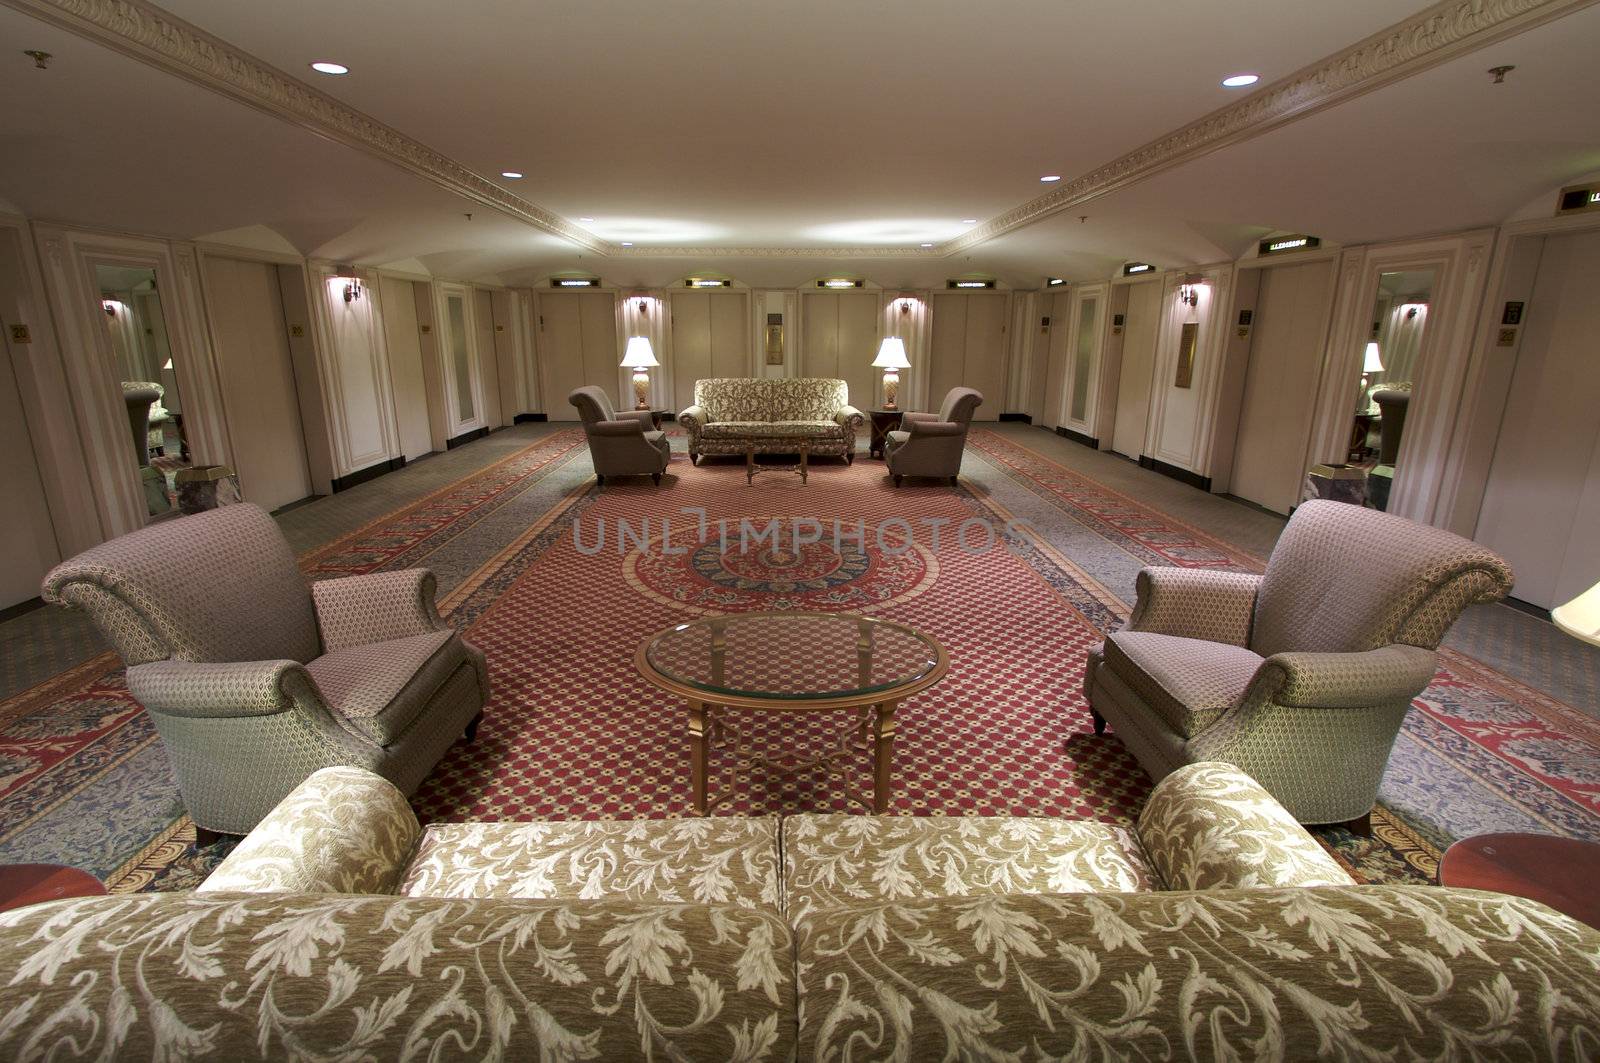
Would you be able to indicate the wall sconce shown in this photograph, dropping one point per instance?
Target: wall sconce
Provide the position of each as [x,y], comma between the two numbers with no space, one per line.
[352,285]
[1189,293]
[109,307]
[644,307]
[905,306]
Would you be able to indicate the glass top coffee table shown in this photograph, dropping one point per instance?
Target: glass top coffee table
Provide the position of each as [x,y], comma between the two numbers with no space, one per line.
[793,662]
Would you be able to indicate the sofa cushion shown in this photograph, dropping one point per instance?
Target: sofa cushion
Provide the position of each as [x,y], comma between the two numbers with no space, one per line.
[1210,826]
[713,860]
[381,687]
[1189,683]
[841,859]
[1369,972]
[771,429]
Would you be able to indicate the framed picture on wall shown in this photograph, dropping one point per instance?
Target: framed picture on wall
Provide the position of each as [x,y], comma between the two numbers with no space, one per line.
[774,339]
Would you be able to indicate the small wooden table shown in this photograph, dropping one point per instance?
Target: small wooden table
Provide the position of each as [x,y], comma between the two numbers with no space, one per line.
[657,416]
[1563,873]
[25,884]
[752,466]
[883,422]
[792,662]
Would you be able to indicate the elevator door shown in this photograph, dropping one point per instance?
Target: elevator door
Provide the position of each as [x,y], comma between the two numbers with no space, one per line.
[1138,366]
[1542,503]
[1280,384]
[710,338]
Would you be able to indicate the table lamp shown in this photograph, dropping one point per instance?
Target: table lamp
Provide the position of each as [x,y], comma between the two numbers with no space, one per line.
[640,358]
[1580,617]
[1370,364]
[891,359]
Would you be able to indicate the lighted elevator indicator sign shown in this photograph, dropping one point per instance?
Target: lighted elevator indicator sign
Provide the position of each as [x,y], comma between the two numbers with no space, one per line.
[1134,268]
[1277,245]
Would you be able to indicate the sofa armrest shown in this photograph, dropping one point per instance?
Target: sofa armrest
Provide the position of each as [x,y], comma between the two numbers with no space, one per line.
[1196,603]
[225,691]
[849,415]
[1343,680]
[357,610]
[1211,826]
[343,830]
[693,418]
[933,428]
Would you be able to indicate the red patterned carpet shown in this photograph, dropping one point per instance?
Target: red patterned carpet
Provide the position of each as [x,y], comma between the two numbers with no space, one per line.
[574,731]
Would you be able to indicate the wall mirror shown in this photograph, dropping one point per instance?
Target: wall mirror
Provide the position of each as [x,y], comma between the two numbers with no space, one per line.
[142,360]
[1083,356]
[1390,363]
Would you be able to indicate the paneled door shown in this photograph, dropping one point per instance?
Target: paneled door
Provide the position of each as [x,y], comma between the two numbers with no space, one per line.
[488,360]
[459,368]
[1542,504]
[711,335]
[969,349]
[1051,394]
[1083,379]
[1280,385]
[1134,383]
[577,346]
[255,375]
[30,549]
[403,336]
[839,334]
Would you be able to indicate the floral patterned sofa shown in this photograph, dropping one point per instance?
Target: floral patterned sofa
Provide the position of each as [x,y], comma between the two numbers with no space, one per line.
[1216,926]
[733,414]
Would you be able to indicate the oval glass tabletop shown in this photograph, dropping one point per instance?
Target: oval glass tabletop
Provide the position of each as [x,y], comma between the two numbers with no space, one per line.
[792,656]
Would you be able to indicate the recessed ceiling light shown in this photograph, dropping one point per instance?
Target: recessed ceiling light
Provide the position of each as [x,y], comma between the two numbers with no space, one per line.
[1239,81]
[512,174]
[586,219]
[330,68]
[969,221]
[1049,177]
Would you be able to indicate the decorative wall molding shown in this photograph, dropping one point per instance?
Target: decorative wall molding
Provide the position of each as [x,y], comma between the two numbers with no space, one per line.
[1432,36]
[160,39]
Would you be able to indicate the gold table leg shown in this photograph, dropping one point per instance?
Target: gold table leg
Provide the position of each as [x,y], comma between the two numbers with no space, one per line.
[699,748]
[882,754]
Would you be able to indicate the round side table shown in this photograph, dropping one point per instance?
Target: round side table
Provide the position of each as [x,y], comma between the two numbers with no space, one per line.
[25,884]
[1559,872]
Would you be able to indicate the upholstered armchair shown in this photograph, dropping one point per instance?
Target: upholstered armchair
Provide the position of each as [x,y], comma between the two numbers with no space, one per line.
[255,679]
[1300,676]
[621,443]
[140,397]
[930,444]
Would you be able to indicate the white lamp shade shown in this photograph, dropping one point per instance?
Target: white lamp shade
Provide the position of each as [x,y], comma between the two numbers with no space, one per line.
[1373,364]
[639,354]
[892,354]
[1580,617]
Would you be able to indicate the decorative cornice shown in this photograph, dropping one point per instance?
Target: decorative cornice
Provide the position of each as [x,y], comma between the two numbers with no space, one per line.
[1432,36]
[145,32]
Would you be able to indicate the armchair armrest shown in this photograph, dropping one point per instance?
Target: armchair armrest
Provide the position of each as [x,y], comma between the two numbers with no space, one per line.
[1196,603]
[356,610]
[642,416]
[620,427]
[1211,826]
[693,418]
[343,830]
[224,691]
[916,415]
[932,428]
[1343,680]
[849,415]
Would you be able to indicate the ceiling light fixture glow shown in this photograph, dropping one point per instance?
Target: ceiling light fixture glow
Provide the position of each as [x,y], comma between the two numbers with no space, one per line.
[969,221]
[510,174]
[1050,177]
[323,67]
[627,243]
[586,219]
[1239,81]
[927,245]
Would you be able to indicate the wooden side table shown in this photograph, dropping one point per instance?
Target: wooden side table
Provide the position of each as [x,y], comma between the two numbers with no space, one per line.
[657,416]
[25,884]
[883,422]
[1559,872]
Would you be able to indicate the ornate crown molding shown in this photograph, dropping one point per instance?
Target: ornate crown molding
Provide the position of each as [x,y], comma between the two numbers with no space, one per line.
[1430,37]
[1434,35]
[145,32]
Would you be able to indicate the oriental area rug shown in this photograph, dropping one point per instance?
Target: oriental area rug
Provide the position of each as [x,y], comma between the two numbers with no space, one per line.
[1018,572]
